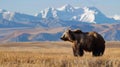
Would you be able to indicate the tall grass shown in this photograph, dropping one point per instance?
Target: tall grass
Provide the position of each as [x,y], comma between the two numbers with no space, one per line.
[56,56]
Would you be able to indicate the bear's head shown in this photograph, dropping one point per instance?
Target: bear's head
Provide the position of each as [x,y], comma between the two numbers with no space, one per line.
[70,35]
[67,36]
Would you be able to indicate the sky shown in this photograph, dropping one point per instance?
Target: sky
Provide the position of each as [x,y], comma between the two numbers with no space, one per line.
[108,7]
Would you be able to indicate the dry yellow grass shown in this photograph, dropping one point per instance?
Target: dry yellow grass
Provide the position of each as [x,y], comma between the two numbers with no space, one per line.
[55,54]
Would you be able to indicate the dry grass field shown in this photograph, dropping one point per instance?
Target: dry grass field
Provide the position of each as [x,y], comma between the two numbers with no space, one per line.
[55,54]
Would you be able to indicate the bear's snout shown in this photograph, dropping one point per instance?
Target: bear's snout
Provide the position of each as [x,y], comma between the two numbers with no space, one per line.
[64,39]
[61,38]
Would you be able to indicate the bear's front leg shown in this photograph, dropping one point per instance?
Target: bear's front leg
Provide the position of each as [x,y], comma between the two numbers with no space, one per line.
[80,51]
[75,52]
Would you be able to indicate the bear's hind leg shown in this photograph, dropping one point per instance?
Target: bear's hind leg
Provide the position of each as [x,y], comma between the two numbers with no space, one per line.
[96,53]
[102,50]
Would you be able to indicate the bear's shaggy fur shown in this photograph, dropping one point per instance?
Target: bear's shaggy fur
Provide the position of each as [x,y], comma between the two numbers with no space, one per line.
[85,41]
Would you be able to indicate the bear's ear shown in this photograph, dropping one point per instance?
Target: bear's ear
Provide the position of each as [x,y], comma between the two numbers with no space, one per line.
[71,35]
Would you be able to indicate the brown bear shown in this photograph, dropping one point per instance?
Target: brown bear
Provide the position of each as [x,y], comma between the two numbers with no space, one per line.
[85,41]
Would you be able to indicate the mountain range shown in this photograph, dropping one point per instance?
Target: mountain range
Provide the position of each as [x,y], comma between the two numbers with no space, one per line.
[15,26]
[68,12]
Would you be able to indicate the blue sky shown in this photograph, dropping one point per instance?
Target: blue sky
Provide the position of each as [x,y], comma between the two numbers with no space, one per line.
[108,7]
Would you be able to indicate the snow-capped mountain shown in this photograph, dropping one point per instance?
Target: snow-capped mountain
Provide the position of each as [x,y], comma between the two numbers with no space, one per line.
[66,15]
[68,12]
[17,17]
[49,24]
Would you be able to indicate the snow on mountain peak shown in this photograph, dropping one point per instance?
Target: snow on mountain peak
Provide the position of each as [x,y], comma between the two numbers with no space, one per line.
[48,13]
[88,15]
[66,7]
[8,15]
[116,17]
[2,10]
